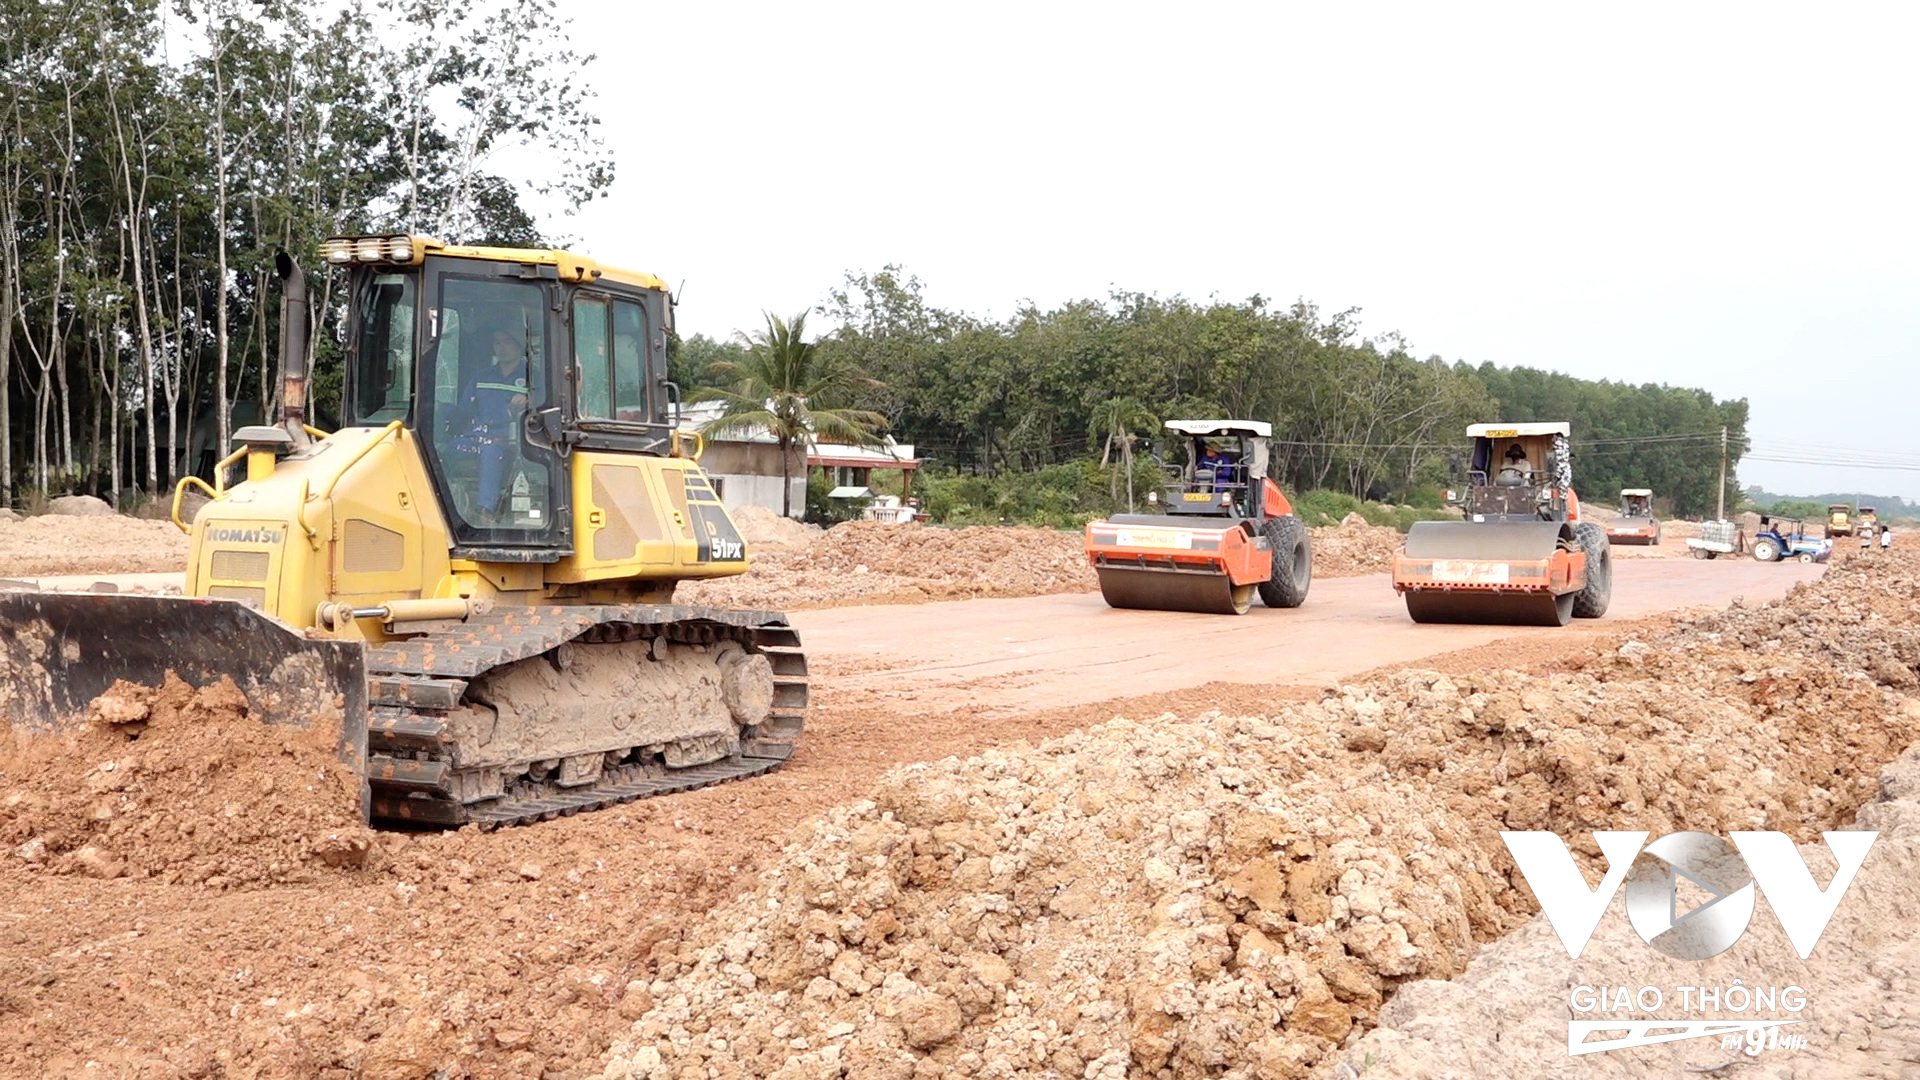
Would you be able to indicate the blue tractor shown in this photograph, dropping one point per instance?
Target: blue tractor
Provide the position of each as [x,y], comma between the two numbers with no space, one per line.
[1780,539]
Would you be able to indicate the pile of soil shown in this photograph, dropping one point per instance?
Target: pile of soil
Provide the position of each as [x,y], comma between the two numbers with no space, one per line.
[760,526]
[58,544]
[182,786]
[1354,548]
[1180,897]
[869,562]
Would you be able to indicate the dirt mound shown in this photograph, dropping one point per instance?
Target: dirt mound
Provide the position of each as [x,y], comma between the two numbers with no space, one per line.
[54,544]
[868,562]
[761,526]
[79,506]
[1353,548]
[184,786]
[1181,897]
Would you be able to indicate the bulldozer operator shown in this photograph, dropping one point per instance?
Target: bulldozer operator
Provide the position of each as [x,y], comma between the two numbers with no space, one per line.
[494,401]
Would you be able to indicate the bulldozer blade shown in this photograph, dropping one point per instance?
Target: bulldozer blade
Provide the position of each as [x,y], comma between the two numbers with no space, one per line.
[1489,608]
[60,651]
[1487,541]
[1174,590]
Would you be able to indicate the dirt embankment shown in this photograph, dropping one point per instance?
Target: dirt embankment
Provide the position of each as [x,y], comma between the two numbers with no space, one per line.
[191,893]
[182,786]
[866,562]
[797,566]
[109,544]
[1240,895]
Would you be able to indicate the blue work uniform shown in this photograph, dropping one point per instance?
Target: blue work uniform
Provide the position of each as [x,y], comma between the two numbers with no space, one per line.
[489,401]
[1222,467]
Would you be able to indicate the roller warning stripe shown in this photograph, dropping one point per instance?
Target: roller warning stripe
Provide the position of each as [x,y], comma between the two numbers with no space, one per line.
[1138,538]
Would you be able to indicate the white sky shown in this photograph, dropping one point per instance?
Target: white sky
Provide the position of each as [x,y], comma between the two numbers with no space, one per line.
[1707,195]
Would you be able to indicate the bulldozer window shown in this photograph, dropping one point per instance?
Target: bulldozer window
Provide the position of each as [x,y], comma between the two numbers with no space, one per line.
[611,359]
[383,359]
[489,372]
[595,374]
[630,362]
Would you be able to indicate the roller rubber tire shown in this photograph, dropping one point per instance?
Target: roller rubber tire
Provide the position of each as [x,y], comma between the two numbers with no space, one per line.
[1292,563]
[1591,601]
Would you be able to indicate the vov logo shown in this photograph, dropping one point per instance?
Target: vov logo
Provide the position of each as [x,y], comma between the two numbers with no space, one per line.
[1652,874]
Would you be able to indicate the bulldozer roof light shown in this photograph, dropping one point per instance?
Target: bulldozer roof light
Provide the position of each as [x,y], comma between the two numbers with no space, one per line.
[395,250]
[405,250]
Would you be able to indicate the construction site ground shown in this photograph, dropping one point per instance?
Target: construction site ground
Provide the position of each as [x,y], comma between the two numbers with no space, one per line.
[194,903]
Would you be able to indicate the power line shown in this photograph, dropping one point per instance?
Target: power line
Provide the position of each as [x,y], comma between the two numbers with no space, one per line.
[1832,463]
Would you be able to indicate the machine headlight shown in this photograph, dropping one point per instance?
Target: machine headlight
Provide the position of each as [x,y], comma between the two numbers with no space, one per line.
[369,249]
[400,249]
[338,250]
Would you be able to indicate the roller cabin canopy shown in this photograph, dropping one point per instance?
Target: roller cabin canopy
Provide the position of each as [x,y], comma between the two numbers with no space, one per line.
[1210,428]
[1509,431]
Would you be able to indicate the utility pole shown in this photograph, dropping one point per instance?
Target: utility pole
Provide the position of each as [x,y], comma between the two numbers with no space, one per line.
[1721,515]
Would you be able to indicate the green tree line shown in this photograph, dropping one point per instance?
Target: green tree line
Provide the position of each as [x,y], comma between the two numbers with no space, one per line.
[153,157]
[1353,413]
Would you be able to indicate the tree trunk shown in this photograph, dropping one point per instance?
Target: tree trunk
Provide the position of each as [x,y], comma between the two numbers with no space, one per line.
[223,417]
[113,415]
[786,477]
[9,262]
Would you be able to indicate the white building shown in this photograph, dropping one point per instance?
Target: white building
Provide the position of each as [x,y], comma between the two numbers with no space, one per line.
[745,465]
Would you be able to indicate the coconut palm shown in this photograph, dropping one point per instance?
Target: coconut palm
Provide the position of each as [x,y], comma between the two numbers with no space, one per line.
[788,387]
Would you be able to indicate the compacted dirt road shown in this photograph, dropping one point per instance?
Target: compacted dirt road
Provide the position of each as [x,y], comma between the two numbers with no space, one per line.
[1001,656]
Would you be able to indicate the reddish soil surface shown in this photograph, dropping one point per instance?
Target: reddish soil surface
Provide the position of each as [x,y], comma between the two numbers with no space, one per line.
[515,954]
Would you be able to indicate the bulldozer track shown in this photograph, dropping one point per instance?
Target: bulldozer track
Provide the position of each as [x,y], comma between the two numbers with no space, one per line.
[413,760]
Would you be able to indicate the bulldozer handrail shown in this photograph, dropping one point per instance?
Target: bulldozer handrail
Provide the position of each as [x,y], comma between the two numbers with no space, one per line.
[180,490]
[391,427]
[216,490]
[301,514]
[699,444]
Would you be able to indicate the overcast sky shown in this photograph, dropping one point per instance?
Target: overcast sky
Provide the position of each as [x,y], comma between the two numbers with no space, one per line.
[1707,195]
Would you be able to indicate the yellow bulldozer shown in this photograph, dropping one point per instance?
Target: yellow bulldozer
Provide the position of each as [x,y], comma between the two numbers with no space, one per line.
[473,577]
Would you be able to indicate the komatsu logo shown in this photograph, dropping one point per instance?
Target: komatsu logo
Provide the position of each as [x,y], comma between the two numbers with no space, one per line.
[256,535]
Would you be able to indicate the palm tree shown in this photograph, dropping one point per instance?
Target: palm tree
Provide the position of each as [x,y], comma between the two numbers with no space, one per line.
[786,386]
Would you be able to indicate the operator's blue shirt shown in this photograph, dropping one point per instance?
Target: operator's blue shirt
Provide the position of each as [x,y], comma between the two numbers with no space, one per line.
[490,397]
[1223,469]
